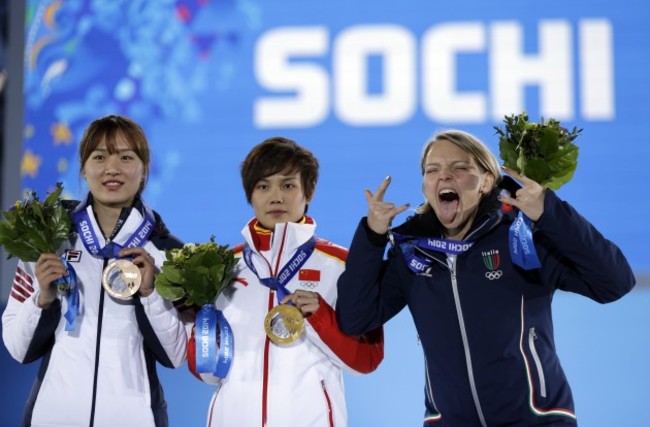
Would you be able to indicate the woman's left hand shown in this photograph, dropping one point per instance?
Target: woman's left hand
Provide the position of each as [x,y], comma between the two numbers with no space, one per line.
[307,302]
[529,198]
[147,266]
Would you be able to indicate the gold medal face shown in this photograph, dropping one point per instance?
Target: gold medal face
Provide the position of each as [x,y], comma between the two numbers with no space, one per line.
[284,324]
[121,279]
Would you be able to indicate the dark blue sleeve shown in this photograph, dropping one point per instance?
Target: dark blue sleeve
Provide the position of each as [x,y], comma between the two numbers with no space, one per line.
[369,291]
[576,257]
[43,339]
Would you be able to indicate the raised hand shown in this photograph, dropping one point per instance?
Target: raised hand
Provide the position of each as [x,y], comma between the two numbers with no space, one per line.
[380,213]
[529,198]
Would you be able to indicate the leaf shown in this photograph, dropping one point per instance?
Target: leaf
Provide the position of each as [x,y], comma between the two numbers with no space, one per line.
[170,293]
[508,153]
[557,181]
[537,170]
[547,142]
[54,196]
[171,273]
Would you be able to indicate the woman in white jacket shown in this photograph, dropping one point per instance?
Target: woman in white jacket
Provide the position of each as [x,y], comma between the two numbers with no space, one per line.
[280,376]
[98,356]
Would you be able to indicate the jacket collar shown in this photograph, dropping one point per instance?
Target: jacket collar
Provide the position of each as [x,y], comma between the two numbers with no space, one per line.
[286,236]
[130,218]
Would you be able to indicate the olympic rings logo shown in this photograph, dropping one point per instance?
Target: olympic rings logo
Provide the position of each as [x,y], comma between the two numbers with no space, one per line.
[309,285]
[494,275]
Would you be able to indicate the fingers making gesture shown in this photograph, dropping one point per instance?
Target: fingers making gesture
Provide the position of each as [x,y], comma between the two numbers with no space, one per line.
[380,213]
[529,199]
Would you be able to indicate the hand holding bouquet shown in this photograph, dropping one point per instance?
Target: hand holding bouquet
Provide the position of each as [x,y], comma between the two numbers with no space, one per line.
[32,228]
[543,152]
[199,273]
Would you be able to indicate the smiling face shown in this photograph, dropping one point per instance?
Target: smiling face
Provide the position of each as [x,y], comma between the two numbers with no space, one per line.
[114,175]
[453,185]
[279,198]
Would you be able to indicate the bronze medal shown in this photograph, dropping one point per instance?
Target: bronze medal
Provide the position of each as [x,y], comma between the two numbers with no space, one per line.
[284,324]
[121,279]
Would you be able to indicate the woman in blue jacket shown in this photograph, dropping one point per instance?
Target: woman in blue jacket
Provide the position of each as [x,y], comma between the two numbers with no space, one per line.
[485,323]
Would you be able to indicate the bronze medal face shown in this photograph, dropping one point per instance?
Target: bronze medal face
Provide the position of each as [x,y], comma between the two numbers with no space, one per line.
[121,279]
[284,324]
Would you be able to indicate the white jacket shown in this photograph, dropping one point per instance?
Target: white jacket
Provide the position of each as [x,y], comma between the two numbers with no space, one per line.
[103,373]
[298,384]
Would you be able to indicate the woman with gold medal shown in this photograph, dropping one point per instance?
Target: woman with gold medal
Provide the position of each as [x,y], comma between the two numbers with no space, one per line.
[289,354]
[100,341]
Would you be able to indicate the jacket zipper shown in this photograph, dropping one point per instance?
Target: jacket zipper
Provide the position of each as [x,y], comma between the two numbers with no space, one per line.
[532,337]
[265,374]
[100,318]
[463,332]
[267,340]
[328,401]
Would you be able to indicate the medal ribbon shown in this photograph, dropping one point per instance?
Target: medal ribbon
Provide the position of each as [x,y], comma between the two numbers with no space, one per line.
[85,229]
[89,238]
[522,247]
[67,285]
[289,270]
[211,357]
[418,263]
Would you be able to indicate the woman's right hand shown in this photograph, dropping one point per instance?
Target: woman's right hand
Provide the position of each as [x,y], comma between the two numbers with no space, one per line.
[380,213]
[49,268]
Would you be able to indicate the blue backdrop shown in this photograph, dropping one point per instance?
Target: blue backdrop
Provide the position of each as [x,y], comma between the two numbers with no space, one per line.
[362,84]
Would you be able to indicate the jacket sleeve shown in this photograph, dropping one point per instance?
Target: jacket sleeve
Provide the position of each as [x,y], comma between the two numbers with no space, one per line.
[162,326]
[369,291]
[360,354]
[576,257]
[162,329]
[28,330]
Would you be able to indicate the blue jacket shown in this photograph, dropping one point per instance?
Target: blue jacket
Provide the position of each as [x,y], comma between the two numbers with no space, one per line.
[485,324]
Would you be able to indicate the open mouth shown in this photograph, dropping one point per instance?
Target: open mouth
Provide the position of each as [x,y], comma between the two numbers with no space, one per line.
[448,195]
[448,205]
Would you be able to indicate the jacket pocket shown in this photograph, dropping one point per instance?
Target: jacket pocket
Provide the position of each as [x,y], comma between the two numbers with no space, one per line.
[532,337]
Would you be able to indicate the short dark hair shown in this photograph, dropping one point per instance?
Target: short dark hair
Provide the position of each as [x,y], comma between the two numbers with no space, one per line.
[106,129]
[279,155]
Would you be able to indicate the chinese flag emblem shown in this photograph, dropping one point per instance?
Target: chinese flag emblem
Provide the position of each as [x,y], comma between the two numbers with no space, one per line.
[307,275]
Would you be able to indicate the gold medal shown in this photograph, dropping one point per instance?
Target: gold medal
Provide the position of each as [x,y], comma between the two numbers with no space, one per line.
[121,279]
[284,324]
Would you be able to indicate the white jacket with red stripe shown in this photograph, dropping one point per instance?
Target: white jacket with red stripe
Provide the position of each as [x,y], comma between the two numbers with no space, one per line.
[297,384]
[102,373]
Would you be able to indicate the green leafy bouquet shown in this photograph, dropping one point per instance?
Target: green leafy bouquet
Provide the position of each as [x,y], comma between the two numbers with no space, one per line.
[31,227]
[196,272]
[544,152]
